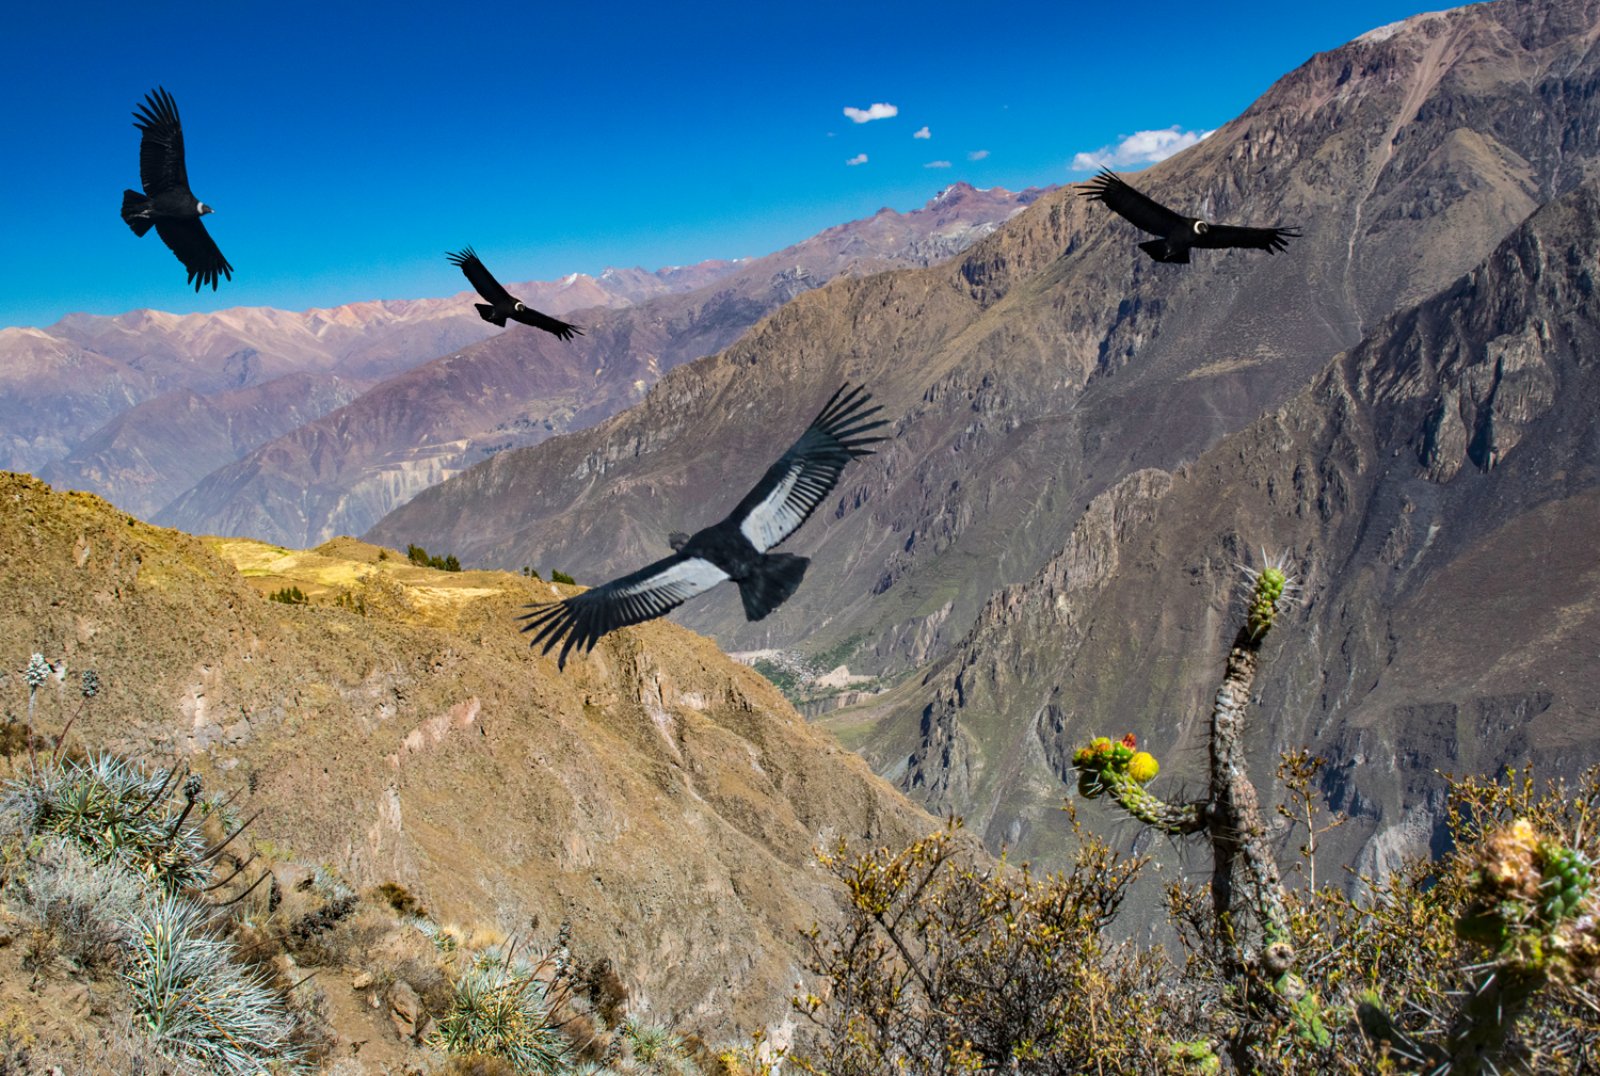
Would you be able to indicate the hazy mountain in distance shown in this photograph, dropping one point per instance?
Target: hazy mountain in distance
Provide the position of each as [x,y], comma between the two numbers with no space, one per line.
[90,400]
[343,472]
[1052,363]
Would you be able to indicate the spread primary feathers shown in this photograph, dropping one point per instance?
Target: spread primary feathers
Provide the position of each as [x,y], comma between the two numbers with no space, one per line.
[736,548]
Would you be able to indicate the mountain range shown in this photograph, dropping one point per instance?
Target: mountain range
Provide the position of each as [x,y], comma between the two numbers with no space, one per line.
[150,409]
[1051,387]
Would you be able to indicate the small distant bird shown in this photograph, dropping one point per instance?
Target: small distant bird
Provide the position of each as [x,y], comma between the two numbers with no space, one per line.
[167,203]
[734,549]
[1179,233]
[502,304]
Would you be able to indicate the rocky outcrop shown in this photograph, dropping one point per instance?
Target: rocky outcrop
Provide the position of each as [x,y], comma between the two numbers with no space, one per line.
[1448,588]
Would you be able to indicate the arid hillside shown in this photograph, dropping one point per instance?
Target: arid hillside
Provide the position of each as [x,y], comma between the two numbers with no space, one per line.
[1053,359]
[661,798]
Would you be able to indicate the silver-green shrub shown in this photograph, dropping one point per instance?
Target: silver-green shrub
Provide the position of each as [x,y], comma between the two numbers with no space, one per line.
[198,1004]
[86,905]
[114,812]
[501,1008]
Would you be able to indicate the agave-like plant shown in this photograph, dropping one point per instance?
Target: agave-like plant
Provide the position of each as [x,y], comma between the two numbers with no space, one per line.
[503,1009]
[199,1005]
[654,1046]
[115,812]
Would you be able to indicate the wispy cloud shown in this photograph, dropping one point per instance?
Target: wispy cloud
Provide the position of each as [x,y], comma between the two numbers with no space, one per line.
[1139,148]
[879,111]
[922,134]
[977,155]
[937,164]
[860,158]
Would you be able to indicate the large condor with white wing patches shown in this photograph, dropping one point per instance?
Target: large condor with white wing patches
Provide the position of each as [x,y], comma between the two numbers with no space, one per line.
[735,548]
[1179,234]
[502,304]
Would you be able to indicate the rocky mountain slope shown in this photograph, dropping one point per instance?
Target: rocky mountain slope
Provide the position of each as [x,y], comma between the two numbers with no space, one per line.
[1437,490]
[1052,377]
[662,799]
[341,474]
[93,400]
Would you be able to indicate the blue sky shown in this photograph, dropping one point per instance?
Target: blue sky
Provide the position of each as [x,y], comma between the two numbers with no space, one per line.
[347,146]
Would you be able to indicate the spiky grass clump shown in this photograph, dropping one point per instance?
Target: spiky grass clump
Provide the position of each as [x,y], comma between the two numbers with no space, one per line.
[198,1005]
[654,1048]
[115,813]
[501,1008]
[85,905]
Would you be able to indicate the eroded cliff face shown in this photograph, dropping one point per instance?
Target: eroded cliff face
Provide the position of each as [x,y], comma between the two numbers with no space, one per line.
[1053,360]
[663,799]
[1438,491]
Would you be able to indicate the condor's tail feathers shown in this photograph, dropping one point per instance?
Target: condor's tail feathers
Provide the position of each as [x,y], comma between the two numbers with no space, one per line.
[1157,249]
[776,577]
[135,208]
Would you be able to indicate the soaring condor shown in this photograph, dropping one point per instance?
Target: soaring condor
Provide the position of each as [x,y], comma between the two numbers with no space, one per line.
[168,205]
[502,304]
[735,548]
[1178,233]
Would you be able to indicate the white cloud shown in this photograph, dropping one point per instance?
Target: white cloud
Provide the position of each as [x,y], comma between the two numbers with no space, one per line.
[937,164]
[1139,148]
[860,158]
[922,134]
[879,111]
[977,155]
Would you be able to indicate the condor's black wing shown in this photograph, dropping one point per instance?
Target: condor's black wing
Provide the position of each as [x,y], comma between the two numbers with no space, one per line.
[195,248]
[562,330]
[652,591]
[793,487]
[161,167]
[1271,240]
[1139,209]
[482,280]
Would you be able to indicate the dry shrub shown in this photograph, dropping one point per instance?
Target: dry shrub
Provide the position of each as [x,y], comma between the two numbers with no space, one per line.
[82,906]
[475,1065]
[944,965]
[941,966]
[401,900]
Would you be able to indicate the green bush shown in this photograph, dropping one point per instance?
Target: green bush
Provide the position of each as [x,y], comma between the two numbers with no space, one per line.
[501,1008]
[115,813]
[562,577]
[420,557]
[785,680]
[290,596]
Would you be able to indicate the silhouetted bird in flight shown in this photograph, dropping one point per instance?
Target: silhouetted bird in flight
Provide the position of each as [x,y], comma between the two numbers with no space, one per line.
[167,203]
[734,549]
[1178,233]
[502,304]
